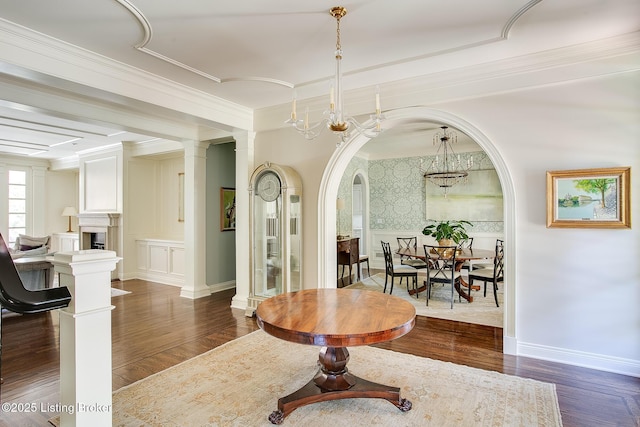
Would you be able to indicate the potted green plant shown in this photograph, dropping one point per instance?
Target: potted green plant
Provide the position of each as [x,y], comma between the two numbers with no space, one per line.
[447,232]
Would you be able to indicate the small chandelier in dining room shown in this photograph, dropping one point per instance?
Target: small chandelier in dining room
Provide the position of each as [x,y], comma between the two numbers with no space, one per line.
[446,168]
[335,118]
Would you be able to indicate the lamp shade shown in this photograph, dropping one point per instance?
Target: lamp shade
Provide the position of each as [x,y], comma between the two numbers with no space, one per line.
[69,211]
[339,204]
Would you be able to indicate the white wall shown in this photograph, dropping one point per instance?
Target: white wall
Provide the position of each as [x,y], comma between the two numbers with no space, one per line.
[308,158]
[61,190]
[51,192]
[576,290]
[169,225]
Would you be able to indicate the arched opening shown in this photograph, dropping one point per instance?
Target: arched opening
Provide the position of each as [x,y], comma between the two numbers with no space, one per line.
[340,160]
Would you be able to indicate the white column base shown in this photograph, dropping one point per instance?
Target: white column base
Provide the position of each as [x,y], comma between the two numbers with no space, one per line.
[195,293]
[85,337]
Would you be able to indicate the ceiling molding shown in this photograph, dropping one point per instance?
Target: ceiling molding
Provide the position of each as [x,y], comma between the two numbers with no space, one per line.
[506,30]
[147,29]
[38,58]
[504,35]
[148,36]
[526,71]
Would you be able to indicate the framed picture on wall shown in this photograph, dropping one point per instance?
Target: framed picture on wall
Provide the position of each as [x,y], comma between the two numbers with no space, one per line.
[227,209]
[589,198]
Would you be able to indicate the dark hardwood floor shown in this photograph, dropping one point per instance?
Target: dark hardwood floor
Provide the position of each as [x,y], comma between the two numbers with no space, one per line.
[153,329]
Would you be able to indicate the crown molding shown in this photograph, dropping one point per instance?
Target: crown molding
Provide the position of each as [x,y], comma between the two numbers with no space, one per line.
[35,57]
[577,62]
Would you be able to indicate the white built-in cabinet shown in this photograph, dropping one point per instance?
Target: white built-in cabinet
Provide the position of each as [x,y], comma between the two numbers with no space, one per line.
[161,261]
[65,242]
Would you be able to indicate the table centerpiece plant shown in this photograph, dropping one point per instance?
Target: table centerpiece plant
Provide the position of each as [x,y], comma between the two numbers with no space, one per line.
[448,233]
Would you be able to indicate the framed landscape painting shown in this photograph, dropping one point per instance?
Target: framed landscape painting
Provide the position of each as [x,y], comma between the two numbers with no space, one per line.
[589,198]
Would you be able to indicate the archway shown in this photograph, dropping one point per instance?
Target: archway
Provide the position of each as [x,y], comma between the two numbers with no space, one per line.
[340,160]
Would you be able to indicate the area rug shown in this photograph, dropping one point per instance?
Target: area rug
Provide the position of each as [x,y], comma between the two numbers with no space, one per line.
[115,292]
[481,311]
[239,383]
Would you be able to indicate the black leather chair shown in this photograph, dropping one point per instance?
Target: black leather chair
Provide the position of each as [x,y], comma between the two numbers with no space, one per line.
[14,297]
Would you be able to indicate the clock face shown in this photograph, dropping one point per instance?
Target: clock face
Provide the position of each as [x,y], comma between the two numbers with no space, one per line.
[268,186]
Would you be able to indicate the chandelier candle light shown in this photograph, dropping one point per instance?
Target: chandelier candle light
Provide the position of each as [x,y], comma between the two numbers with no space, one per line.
[446,171]
[334,117]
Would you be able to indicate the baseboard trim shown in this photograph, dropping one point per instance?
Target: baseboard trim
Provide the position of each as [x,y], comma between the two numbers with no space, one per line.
[223,286]
[162,278]
[617,365]
[239,302]
[509,345]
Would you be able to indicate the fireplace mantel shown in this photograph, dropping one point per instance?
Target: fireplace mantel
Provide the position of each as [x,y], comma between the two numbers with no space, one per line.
[100,230]
[98,219]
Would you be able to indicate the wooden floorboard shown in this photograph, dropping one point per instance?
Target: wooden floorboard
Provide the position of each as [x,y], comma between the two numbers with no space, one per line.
[153,328]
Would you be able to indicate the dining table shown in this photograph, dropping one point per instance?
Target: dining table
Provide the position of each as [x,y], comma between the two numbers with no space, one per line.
[462,255]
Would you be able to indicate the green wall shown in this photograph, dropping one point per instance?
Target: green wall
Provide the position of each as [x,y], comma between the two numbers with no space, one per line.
[397,198]
[221,247]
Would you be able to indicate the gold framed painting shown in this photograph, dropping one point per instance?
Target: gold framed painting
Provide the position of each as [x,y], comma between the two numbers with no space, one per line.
[589,198]
[227,209]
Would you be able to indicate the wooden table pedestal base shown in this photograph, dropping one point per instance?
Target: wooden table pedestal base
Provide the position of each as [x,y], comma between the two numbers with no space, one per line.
[333,381]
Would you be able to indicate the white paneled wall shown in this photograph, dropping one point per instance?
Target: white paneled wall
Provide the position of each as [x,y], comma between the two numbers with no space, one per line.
[161,261]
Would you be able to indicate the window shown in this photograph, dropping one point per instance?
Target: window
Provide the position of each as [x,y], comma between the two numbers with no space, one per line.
[17,204]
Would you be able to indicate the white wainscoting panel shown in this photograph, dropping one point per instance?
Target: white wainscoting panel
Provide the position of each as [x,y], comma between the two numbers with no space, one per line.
[161,261]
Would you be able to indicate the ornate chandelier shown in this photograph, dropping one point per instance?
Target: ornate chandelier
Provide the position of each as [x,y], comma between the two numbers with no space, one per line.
[446,169]
[334,118]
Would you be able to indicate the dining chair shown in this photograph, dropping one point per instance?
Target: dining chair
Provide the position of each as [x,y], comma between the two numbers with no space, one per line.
[439,268]
[493,274]
[474,264]
[466,244]
[410,243]
[397,270]
[362,259]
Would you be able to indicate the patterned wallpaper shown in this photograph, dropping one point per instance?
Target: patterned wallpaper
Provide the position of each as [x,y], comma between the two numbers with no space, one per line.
[397,193]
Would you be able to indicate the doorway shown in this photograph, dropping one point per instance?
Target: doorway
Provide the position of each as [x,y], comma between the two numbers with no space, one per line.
[338,164]
[360,211]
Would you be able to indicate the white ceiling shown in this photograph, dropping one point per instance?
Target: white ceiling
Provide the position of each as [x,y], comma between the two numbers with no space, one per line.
[254,52]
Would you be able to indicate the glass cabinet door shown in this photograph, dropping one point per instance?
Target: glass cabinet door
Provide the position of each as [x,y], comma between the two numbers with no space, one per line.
[295,243]
[276,233]
[267,247]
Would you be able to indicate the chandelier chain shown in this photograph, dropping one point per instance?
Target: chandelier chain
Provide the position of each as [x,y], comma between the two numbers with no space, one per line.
[338,45]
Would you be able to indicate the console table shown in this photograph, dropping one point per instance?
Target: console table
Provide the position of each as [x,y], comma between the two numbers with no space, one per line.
[349,254]
[36,265]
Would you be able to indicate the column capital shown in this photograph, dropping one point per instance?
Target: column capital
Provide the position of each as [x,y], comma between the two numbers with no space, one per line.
[193,148]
